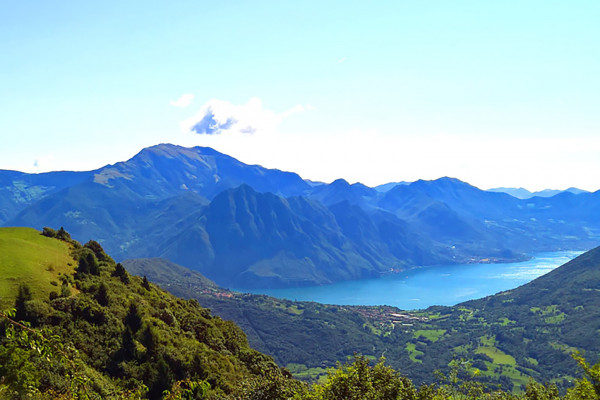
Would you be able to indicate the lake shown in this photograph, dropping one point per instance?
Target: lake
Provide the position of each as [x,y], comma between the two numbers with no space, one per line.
[427,286]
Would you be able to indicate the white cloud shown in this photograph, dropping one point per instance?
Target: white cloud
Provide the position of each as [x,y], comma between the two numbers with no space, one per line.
[184,101]
[218,116]
[374,156]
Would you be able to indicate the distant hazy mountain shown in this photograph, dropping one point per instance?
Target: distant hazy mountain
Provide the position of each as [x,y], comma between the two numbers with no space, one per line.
[245,225]
[340,190]
[521,193]
[155,173]
[244,238]
[19,190]
[161,183]
[387,186]
[165,170]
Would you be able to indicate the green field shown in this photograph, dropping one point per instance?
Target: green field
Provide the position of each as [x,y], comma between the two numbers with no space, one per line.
[28,257]
[432,334]
[301,371]
[413,352]
[497,355]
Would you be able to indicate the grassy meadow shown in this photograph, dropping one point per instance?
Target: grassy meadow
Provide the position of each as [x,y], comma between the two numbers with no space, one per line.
[30,258]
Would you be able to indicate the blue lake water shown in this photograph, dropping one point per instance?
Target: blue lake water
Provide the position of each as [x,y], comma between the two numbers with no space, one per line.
[424,287]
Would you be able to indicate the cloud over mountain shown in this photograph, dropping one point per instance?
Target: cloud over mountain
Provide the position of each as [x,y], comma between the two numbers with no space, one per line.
[218,116]
[210,125]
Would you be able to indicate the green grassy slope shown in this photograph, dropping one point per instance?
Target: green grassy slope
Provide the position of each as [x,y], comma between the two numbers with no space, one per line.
[28,257]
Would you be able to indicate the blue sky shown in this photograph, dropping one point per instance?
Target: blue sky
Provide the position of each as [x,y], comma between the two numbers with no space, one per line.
[493,93]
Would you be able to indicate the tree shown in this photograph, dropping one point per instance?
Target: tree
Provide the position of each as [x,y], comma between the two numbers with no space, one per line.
[128,348]
[102,295]
[63,235]
[589,386]
[97,249]
[272,384]
[163,379]
[121,273]
[537,391]
[23,296]
[149,341]
[359,381]
[88,263]
[145,283]
[187,390]
[133,319]
[65,290]
[48,232]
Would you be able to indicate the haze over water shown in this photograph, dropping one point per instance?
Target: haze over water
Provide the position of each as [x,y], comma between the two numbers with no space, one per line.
[424,287]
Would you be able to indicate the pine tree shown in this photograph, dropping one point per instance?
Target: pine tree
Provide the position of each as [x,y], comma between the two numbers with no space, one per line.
[162,380]
[102,295]
[121,273]
[149,341]
[133,319]
[23,296]
[128,348]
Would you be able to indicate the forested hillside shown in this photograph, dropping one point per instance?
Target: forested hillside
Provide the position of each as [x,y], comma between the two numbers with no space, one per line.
[111,334]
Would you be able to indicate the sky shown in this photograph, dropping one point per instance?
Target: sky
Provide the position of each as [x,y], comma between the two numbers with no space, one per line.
[493,93]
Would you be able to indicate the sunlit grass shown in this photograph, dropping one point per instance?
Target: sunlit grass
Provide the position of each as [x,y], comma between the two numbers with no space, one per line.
[27,257]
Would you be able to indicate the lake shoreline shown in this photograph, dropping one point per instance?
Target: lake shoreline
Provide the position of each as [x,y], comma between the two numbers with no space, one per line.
[425,286]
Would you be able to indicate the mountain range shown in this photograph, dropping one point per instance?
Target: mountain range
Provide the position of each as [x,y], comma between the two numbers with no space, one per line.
[248,226]
[522,193]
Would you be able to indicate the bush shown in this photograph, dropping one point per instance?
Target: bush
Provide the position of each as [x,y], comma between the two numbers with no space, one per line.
[48,232]
[88,263]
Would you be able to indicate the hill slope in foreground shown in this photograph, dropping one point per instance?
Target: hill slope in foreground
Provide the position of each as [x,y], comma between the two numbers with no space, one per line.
[126,332]
[528,332]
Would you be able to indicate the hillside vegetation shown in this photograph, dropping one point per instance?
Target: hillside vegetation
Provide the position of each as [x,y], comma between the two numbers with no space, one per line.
[511,337]
[123,333]
[108,334]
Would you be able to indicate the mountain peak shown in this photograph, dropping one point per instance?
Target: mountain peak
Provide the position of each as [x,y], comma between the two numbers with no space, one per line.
[449,179]
[340,183]
[166,169]
[441,179]
[170,150]
[444,181]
